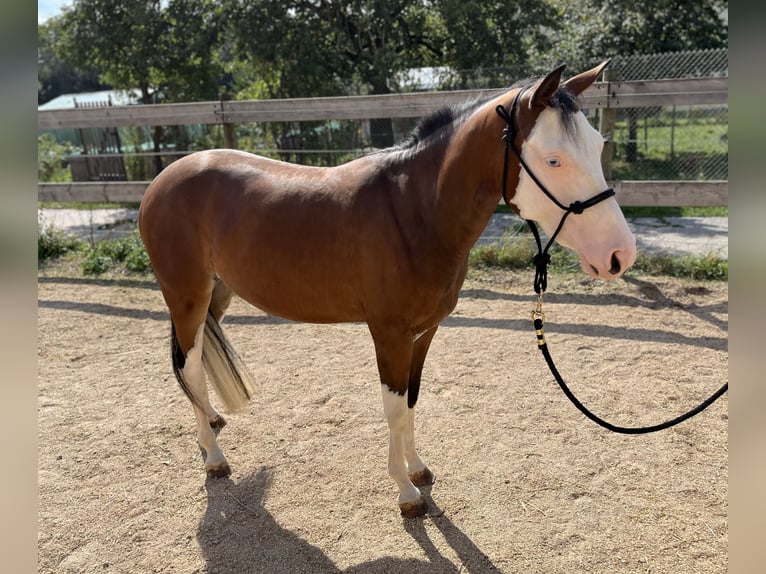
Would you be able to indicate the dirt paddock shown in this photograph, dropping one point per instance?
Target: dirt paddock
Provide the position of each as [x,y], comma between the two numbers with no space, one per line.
[524,483]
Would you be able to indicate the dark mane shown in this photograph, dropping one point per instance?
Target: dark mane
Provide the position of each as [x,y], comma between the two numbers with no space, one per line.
[440,122]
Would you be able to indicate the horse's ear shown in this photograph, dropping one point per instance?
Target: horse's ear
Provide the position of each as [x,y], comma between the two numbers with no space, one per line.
[545,88]
[581,82]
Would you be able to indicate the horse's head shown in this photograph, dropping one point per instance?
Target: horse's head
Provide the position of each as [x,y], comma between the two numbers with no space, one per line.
[563,151]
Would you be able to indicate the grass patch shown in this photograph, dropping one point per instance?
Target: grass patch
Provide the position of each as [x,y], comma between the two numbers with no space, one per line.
[648,211]
[87,205]
[513,252]
[706,267]
[516,252]
[631,212]
[125,253]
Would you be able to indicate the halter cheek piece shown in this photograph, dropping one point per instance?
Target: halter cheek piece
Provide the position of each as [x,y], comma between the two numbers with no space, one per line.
[542,258]
[541,261]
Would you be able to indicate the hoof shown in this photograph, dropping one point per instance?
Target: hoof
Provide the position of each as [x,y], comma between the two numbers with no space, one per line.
[218,471]
[217,424]
[423,477]
[414,508]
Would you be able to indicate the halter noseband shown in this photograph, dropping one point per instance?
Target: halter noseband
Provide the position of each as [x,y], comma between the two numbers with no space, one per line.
[542,258]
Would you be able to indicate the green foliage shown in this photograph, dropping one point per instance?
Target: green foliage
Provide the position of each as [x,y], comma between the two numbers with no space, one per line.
[106,255]
[168,50]
[56,74]
[51,164]
[53,243]
[706,267]
[514,252]
[595,29]
[518,250]
[649,211]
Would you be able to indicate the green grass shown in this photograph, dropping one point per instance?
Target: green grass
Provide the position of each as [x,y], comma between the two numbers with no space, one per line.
[631,212]
[87,205]
[659,211]
[125,253]
[517,252]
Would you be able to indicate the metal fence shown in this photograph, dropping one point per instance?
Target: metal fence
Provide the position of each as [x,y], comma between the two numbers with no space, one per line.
[673,142]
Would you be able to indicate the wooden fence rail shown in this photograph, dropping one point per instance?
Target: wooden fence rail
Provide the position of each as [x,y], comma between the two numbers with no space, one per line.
[608,95]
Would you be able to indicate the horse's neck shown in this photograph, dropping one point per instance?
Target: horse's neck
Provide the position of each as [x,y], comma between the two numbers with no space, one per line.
[468,188]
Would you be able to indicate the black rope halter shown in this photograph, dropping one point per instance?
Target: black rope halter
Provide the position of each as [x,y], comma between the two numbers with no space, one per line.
[543,258]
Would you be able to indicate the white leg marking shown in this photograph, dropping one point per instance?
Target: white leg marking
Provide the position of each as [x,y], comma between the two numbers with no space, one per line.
[414,463]
[194,375]
[395,408]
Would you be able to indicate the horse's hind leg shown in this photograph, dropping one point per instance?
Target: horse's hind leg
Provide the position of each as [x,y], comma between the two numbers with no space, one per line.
[187,361]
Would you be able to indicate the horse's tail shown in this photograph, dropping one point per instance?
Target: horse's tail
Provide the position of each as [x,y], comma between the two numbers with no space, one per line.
[225,369]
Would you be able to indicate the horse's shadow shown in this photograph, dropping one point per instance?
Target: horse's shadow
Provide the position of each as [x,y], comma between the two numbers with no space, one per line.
[238,535]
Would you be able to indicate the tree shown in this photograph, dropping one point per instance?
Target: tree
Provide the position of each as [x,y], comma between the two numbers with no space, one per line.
[56,76]
[328,47]
[322,47]
[482,36]
[166,49]
[598,29]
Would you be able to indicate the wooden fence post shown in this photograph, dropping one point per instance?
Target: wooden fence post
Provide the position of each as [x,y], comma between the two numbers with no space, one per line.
[229,128]
[606,127]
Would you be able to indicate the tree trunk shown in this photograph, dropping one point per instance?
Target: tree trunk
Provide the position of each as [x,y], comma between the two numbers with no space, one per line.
[381,129]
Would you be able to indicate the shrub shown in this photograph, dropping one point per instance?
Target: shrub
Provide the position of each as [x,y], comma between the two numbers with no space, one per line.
[105,255]
[53,243]
[51,162]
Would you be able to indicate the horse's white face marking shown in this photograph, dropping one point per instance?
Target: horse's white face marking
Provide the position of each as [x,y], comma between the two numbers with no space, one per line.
[570,167]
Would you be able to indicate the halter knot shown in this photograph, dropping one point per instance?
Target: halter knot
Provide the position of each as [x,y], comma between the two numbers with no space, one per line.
[577,207]
[541,261]
[508,131]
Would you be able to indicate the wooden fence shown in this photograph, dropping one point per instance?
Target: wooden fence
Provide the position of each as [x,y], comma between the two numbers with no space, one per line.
[603,95]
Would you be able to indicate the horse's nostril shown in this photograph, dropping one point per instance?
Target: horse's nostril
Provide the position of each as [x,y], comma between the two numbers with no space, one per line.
[616,267]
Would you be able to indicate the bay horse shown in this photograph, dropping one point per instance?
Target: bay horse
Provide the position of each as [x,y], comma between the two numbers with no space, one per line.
[382,239]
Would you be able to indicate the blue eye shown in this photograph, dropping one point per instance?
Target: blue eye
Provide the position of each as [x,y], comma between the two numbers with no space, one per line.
[553,162]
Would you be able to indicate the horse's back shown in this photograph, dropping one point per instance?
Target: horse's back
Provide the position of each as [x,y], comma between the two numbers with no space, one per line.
[273,231]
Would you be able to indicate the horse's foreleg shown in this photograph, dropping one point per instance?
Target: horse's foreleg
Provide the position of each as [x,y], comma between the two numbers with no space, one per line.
[209,422]
[419,473]
[394,355]
[411,502]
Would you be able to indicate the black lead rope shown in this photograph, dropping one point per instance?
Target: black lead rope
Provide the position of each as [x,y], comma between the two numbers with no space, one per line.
[541,261]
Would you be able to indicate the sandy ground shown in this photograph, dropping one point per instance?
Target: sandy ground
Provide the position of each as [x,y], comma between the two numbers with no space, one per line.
[524,482]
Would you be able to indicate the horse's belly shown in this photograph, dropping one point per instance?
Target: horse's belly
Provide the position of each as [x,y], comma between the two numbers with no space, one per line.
[296,296]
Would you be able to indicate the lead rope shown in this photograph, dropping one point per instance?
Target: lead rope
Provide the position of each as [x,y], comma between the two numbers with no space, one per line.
[541,261]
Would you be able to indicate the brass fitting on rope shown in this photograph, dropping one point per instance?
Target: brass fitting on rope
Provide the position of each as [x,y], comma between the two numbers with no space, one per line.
[539,318]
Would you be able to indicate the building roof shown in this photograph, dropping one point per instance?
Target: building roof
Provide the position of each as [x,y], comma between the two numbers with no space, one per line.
[103,97]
